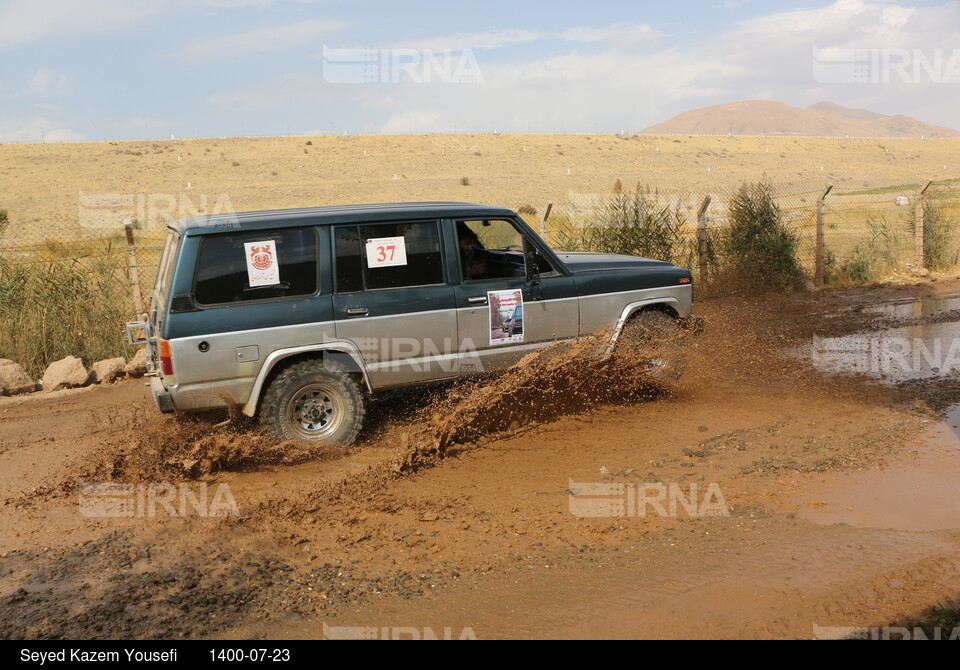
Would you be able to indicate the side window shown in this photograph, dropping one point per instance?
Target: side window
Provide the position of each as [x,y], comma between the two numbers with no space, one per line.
[388,255]
[544,267]
[490,250]
[257,266]
[349,261]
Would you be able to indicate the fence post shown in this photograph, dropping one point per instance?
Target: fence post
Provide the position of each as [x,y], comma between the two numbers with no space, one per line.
[918,233]
[703,255]
[821,254]
[134,270]
[543,222]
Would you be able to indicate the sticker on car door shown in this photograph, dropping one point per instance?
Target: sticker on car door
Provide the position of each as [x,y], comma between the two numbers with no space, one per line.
[506,316]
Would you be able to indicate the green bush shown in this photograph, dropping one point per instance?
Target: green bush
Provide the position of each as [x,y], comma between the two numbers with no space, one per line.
[760,250]
[63,308]
[4,221]
[940,249]
[634,222]
[869,260]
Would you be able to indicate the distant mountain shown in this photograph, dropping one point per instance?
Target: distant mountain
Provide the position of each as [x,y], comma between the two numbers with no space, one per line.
[825,119]
[849,112]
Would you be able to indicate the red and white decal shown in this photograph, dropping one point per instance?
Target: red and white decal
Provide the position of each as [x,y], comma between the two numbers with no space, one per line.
[385,252]
[263,268]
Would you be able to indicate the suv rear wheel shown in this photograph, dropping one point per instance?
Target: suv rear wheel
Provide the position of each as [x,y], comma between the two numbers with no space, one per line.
[309,402]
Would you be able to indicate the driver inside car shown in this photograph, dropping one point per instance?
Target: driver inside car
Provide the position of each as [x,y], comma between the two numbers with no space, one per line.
[472,255]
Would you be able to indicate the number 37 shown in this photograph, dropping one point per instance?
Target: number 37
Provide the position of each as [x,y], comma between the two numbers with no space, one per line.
[386,253]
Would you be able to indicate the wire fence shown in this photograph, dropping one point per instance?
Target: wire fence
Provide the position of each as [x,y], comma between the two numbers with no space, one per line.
[67,286]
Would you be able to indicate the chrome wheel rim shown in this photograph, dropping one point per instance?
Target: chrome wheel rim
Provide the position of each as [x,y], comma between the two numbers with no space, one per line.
[315,412]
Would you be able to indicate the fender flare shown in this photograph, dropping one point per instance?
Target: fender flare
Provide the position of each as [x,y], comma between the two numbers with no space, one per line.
[344,347]
[635,307]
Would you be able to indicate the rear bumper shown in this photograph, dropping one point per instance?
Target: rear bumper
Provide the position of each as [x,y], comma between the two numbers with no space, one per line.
[161,396]
[693,324]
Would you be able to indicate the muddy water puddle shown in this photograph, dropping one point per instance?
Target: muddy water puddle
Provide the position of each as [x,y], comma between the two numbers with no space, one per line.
[915,308]
[892,355]
[918,492]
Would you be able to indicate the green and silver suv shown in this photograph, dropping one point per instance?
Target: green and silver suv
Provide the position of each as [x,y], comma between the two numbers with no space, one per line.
[298,316]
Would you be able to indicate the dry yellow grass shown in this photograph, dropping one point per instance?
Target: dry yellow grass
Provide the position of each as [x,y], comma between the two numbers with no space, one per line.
[39,183]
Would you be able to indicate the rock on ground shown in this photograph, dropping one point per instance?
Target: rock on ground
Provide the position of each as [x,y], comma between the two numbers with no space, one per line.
[14,379]
[109,370]
[137,367]
[65,373]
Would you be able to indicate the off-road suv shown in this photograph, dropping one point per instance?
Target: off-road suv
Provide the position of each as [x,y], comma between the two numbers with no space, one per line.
[299,315]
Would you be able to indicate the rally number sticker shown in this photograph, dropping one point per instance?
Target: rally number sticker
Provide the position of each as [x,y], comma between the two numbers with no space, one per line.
[385,252]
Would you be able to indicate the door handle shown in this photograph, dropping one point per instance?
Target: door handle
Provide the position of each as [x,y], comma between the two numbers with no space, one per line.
[476,300]
[358,311]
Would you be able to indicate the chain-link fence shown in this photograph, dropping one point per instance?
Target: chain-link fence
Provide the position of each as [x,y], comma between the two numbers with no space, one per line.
[842,236]
[68,286]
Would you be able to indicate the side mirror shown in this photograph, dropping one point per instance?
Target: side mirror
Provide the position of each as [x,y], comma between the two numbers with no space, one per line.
[532,258]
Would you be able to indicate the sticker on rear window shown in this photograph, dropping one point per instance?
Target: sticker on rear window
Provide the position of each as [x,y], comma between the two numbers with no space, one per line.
[385,252]
[262,266]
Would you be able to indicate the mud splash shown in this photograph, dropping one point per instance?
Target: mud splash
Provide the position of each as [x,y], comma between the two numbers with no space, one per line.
[198,446]
[424,425]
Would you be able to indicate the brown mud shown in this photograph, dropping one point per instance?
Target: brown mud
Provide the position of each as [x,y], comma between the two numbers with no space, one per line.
[457,508]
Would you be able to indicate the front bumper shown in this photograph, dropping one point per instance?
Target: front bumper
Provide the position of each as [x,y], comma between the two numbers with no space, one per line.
[161,396]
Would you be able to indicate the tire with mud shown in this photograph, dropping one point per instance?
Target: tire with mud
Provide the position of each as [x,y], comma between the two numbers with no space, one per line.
[311,402]
[653,338]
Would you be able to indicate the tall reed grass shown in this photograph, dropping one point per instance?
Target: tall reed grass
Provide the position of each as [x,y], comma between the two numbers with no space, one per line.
[56,308]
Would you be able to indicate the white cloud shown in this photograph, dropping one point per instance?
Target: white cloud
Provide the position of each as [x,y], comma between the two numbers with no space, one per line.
[263,40]
[493,39]
[36,128]
[421,120]
[614,86]
[622,35]
[26,21]
[625,35]
[46,82]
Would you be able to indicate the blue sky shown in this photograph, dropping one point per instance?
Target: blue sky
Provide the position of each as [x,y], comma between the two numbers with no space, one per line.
[123,69]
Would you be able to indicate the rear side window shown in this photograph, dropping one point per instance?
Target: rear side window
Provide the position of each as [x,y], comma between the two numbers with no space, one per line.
[168,262]
[388,255]
[257,266]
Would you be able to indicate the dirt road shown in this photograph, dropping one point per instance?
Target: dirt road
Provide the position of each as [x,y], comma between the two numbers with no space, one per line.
[803,500]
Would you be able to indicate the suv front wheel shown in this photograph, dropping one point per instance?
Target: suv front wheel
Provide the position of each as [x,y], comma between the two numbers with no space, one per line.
[652,338]
[309,402]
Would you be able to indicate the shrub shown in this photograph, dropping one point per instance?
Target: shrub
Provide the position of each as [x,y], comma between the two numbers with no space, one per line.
[63,308]
[869,260]
[940,249]
[634,222]
[760,250]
